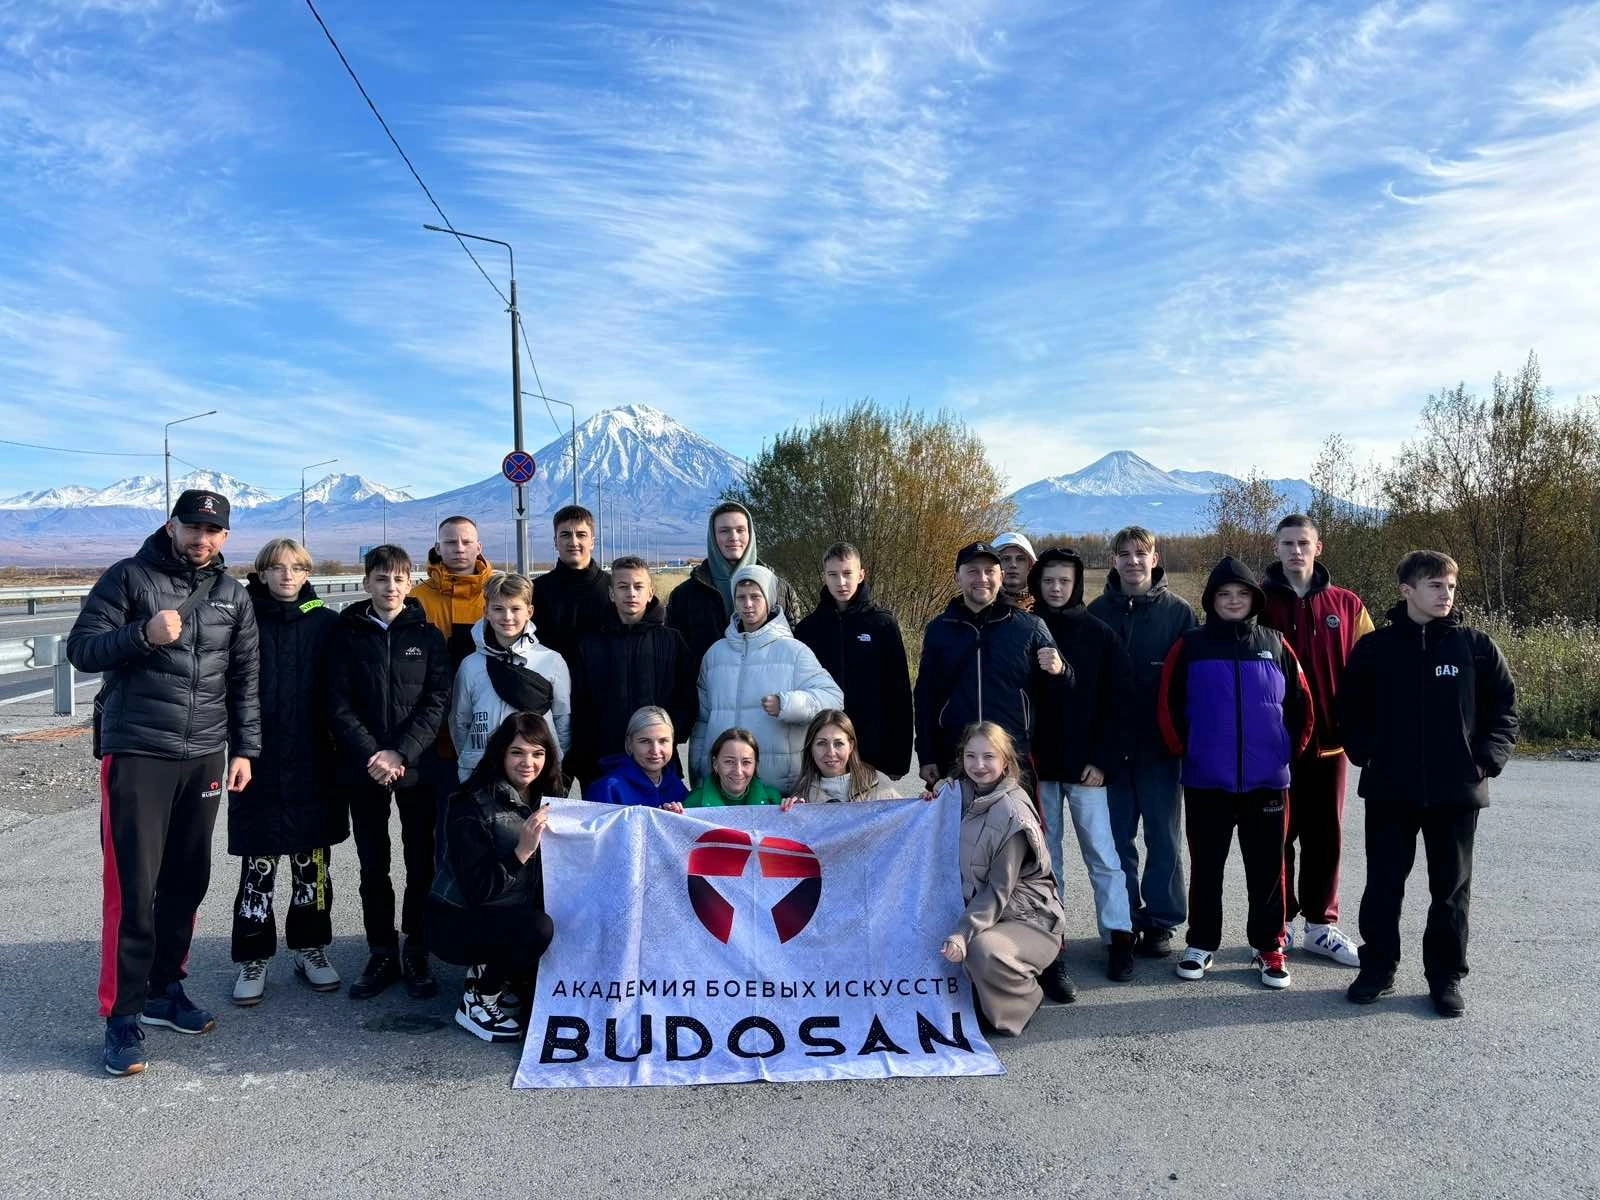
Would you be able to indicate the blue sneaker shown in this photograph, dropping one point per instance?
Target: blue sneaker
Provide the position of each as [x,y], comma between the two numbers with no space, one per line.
[174,1010]
[124,1052]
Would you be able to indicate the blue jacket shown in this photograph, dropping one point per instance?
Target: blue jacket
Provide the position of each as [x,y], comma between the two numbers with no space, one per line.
[625,782]
[979,666]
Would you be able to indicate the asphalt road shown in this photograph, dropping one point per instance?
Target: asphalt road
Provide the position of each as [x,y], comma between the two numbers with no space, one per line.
[1153,1088]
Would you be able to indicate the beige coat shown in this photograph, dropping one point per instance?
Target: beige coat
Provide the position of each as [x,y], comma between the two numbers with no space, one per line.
[1005,866]
[832,791]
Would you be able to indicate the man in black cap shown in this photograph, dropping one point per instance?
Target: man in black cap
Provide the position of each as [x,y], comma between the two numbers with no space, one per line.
[983,659]
[177,719]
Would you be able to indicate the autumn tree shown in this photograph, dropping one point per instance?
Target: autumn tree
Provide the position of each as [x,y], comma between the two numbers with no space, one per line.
[1242,516]
[907,488]
[1506,485]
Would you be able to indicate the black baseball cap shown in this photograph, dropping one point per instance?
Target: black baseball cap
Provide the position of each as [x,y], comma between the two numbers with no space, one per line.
[976,550]
[199,507]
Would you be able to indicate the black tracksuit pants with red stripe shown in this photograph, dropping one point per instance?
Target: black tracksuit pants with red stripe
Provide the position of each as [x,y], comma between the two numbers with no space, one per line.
[156,819]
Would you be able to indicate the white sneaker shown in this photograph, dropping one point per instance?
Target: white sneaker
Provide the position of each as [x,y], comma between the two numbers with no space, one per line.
[1194,964]
[313,966]
[482,1017]
[251,984]
[1290,940]
[1328,941]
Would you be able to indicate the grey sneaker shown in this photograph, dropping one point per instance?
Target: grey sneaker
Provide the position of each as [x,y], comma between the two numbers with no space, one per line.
[312,965]
[249,987]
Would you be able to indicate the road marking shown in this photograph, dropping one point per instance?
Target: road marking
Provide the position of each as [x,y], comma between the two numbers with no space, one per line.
[83,683]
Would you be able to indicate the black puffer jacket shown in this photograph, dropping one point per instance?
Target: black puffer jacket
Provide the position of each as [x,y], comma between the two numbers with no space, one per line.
[184,700]
[861,647]
[568,603]
[388,689]
[1147,626]
[1429,713]
[619,669]
[1091,722]
[980,666]
[291,805]
[480,886]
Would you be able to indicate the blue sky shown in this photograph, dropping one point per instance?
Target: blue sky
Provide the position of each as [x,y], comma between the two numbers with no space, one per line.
[1210,233]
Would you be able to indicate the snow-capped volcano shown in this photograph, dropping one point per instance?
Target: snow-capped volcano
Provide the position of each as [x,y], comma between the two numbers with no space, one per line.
[349,489]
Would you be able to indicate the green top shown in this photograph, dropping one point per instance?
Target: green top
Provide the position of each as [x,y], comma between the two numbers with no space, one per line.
[708,794]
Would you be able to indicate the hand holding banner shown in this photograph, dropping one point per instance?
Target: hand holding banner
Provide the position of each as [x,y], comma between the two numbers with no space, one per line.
[736,944]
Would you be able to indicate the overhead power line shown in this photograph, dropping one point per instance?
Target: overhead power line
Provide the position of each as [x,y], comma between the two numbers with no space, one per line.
[404,157]
[75,450]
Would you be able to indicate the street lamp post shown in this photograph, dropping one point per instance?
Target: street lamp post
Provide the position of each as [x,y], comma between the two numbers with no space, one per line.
[385,495]
[569,405]
[166,449]
[516,388]
[303,471]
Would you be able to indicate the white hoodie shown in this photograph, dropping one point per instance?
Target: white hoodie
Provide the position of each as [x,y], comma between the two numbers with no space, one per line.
[476,709]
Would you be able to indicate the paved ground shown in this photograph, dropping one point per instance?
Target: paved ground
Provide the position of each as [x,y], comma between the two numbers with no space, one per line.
[1154,1088]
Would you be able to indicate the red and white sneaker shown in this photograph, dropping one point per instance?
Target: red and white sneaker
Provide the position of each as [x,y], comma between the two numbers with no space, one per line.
[1274,971]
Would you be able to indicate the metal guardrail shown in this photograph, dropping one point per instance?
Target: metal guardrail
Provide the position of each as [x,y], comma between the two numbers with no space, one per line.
[33,596]
[46,651]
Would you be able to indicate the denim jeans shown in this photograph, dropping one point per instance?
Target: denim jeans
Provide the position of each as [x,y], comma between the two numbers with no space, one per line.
[1147,792]
[1091,821]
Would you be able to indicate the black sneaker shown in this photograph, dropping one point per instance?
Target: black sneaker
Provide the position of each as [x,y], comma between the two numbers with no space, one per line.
[1447,999]
[1155,943]
[1368,987]
[382,969]
[124,1050]
[1057,984]
[414,969]
[1119,961]
[174,1010]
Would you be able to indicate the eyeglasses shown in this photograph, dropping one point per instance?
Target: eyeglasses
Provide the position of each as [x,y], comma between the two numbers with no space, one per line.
[287,569]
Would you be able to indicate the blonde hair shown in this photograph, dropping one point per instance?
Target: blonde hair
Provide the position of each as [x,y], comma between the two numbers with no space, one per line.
[277,548]
[508,586]
[998,738]
[644,718]
[1137,534]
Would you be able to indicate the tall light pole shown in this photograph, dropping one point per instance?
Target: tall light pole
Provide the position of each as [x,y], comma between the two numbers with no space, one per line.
[303,471]
[516,388]
[569,405]
[385,494]
[166,449]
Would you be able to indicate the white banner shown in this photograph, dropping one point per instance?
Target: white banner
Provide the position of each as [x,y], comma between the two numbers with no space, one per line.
[734,944]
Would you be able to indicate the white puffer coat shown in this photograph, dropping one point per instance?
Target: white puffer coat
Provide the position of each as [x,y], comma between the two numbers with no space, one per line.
[476,709]
[737,672]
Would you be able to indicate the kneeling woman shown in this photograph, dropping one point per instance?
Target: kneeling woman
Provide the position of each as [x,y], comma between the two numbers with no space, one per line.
[645,775]
[735,759]
[1012,930]
[834,770]
[487,903]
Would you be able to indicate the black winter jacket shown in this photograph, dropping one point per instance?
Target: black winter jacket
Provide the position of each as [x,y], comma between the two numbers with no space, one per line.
[1090,723]
[979,666]
[1428,713]
[861,647]
[480,867]
[621,668]
[696,609]
[292,804]
[388,689]
[1147,626]
[183,700]
[568,603]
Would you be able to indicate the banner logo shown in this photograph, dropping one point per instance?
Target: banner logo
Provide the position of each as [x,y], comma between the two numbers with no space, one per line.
[726,853]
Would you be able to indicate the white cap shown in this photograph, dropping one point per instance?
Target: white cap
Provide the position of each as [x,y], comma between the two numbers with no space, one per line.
[1017,540]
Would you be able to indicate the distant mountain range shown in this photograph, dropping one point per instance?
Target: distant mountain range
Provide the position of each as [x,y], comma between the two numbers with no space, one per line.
[1124,489]
[650,480]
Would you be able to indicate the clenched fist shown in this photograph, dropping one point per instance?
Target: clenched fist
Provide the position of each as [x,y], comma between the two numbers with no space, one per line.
[164,628]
